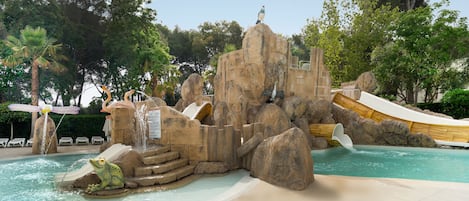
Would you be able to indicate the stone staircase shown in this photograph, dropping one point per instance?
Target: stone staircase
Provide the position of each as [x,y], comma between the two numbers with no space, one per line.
[161,166]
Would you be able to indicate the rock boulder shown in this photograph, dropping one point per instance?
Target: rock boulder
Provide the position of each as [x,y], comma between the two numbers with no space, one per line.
[284,160]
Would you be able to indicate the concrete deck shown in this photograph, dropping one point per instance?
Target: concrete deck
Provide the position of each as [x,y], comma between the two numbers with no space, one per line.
[325,187]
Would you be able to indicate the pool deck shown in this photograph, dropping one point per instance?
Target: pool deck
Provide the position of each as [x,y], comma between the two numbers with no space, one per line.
[325,187]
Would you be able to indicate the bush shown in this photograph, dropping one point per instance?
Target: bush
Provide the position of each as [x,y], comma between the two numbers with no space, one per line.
[456,103]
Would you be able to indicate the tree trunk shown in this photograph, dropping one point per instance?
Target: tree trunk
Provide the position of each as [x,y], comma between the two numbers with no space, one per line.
[34,94]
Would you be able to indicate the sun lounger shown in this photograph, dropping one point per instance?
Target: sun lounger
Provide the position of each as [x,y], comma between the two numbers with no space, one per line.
[66,141]
[29,143]
[16,142]
[3,142]
[82,141]
[97,140]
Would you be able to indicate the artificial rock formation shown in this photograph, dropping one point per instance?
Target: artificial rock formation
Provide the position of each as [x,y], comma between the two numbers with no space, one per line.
[51,137]
[191,91]
[366,82]
[284,160]
[387,132]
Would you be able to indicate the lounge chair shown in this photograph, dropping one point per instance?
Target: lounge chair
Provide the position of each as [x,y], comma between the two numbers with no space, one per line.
[29,143]
[66,141]
[82,141]
[16,142]
[4,142]
[97,140]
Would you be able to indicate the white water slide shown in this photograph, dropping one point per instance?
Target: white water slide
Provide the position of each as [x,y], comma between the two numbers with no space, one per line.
[343,139]
[65,179]
[395,110]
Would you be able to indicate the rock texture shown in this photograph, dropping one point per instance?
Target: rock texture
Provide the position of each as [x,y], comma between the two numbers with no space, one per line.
[284,160]
[387,132]
[51,137]
[366,82]
[210,168]
[191,90]
[274,118]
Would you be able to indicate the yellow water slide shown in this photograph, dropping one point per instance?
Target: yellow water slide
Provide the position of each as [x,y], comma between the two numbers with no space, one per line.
[443,130]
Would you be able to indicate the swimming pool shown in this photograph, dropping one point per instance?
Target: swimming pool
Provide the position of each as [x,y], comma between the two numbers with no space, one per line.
[394,162]
[33,179]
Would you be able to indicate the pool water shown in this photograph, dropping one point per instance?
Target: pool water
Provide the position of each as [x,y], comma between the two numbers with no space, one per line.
[394,162]
[33,179]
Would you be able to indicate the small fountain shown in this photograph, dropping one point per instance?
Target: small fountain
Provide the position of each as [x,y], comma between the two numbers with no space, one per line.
[40,145]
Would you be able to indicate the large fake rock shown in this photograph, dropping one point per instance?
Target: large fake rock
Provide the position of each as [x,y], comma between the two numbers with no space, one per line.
[284,160]
[51,137]
[123,126]
[420,140]
[128,162]
[246,78]
[274,118]
[191,90]
[319,112]
[183,135]
[294,106]
[210,168]
[366,82]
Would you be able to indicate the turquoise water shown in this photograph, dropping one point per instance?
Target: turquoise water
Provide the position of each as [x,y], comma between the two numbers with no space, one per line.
[32,179]
[394,162]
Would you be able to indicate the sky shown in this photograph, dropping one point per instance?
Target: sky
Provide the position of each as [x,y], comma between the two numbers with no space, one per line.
[283,17]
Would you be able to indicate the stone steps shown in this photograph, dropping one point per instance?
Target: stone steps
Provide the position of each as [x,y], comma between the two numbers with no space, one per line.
[161,158]
[156,151]
[161,168]
[165,178]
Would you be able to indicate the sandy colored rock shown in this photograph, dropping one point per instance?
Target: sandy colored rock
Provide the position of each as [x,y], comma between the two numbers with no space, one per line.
[294,106]
[210,168]
[420,140]
[319,143]
[51,137]
[88,179]
[366,82]
[128,162]
[274,118]
[319,111]
[284,160]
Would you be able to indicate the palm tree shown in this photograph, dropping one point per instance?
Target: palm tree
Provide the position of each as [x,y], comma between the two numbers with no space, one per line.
[36,49]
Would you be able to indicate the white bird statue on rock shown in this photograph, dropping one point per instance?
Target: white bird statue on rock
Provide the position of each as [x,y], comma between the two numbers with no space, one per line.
[260,15]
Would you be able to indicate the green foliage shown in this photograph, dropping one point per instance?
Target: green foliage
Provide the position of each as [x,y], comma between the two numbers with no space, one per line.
[10,116]
[456,103]
[71,125]
[421,54]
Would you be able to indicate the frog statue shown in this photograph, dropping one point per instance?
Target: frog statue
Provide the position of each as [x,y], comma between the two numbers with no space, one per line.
[110,175]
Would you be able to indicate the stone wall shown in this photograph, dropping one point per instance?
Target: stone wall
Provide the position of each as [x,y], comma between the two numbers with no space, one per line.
[199,142]
[313,83]
[246,78]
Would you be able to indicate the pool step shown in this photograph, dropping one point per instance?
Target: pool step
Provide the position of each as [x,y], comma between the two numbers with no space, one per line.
[155,151]
[160,179]
[161,158]
[160,168]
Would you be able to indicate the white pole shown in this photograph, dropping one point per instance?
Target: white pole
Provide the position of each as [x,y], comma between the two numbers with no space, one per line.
[44,130]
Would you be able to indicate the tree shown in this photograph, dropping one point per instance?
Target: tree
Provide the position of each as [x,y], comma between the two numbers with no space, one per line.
[327,35]
[135,53]
[34,48]
[422,52]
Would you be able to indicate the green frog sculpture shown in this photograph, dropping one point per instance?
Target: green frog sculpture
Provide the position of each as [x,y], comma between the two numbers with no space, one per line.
[110,175]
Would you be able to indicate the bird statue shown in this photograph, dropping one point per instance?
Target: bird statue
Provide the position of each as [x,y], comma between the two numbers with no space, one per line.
[274,92]
[119,104]
[260,15]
